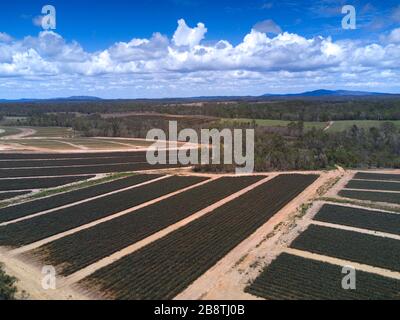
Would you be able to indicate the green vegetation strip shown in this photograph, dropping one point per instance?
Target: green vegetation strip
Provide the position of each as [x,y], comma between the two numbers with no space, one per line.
[371,196]
[353,246]
[10,195]
[166,267]
[373,185]
[360,218]
[107,168]
[7,286]
[59,221]
[377,176]
[71,162]
[38,183]
[86,247]
[71,194]
[295,278]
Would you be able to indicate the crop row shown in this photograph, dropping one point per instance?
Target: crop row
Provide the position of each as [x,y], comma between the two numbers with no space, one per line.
[360,218]
[59,200]
[10,195]
[108,168]
[166,267]
[377,176]
[373,185]
[50,224]
[49,156]
[353,246]
[291,277]
[371,196]
[71,162]
[38,183]
[83,248]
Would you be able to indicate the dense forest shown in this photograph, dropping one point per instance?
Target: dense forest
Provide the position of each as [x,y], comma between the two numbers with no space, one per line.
[291,110]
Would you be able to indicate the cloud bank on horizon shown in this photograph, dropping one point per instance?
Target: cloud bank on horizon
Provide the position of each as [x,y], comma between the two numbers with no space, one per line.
[268,60]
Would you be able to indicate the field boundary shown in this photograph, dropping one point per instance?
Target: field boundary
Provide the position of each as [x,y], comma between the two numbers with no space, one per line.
[83,201]
[83,273]
[132,210]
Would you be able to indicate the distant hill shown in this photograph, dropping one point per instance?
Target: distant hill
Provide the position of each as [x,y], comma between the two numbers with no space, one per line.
[329,93]
[73,98]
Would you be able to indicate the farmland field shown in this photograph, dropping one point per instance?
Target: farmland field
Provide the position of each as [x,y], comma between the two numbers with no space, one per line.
[277,123]
[31,207]
[83,248]
[167,266]
[77,170]
[38,183]
[84,155]
[357,247]
[140,158]
[10,195]
[7,131]
[47,225]
[371,196]
[295,278]
[373,185]
[360,218]
[377,176]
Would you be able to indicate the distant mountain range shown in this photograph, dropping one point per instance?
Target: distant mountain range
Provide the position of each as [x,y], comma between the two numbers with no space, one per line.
[309,94]
[329,93]
[73,98]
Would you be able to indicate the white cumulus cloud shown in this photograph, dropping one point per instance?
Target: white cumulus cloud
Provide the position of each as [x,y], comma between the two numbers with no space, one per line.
[186,36]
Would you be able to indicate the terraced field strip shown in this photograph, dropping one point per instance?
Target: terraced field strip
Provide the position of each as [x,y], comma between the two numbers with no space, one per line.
[64,171]
[360,218]
[387,197]
[164,268]
[88,246]
[70,162]
[28,210]
[377,176]
[58,236]
[353,246]
[291,277]
[39,183]
[373,185]
[45,226]
[10,195]
[80,155]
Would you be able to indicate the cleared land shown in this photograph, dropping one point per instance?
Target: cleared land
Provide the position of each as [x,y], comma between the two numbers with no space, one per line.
[38,183]
[362,248]
[8,131]
[377,176]
[371,196]
[276,123]
[88,246]
[40,205]
[44,226]
[336,126]
[10,195]
[295,278]
[373,185]
[166,267]
[360,218]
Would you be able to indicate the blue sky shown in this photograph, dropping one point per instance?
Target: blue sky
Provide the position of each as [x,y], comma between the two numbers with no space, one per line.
[108,48]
